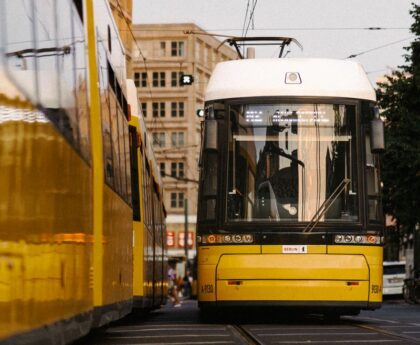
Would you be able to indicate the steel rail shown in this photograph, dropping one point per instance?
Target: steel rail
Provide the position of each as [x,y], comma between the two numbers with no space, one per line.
[245,335]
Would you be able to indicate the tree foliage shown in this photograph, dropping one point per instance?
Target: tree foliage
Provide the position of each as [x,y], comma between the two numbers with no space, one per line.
[399,98]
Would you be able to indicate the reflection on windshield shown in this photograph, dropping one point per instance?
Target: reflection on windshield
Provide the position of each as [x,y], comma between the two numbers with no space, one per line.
[286,160]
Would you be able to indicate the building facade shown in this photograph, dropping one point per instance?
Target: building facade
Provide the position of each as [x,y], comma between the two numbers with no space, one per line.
[169,108]
[122,11]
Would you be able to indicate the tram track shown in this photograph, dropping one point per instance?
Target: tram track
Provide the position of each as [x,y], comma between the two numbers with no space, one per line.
[247,336]
[385,332]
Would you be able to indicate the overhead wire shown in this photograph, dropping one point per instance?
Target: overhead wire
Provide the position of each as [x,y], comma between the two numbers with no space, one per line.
[251,16]
[379,47]
[371,28]
[246,16]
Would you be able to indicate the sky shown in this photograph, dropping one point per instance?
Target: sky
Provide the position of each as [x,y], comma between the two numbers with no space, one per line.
[325,28]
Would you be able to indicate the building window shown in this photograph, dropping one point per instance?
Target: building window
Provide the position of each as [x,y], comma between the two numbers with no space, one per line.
[175,78]
[159,139]
[140,79]
[162,50]
[181,200]
[158,79]
[173,169]
[177,48]
[177,109]
[177,169]
[177,200]
[177,139]
[158,109]
[144,109]
[162,169]
[180,169]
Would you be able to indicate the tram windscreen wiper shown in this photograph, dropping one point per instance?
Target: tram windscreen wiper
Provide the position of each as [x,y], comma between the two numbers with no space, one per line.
[279,151]
[326,205]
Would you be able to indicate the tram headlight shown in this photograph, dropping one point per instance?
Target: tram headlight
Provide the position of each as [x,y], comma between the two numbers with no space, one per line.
[225,239]
[358,239]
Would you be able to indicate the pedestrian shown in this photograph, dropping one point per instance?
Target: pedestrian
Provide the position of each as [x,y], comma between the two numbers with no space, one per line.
[172,287]
[187,284]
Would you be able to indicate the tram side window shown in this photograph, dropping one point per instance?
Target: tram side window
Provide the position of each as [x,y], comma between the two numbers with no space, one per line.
[105,116]
[209,181]
[147,193]
[59,49]
[135,196]
[143,183]
[372,181]
[81,85]
[46,61]
[115,142]
[127,163]
[145,176]
[123,174]
[66,70]
[209,186]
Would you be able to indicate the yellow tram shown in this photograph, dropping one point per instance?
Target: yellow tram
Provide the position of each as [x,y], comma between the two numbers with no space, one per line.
[81,210]
[289,207]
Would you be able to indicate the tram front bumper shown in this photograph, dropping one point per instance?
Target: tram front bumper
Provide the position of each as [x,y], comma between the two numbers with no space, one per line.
[293,279]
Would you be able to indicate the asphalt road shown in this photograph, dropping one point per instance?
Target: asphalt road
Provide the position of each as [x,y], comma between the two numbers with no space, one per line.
[395,323]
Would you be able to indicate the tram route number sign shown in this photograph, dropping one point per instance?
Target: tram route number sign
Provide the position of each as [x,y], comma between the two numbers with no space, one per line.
[295,249]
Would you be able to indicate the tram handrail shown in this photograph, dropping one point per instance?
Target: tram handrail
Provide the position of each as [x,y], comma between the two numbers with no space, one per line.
[326,205]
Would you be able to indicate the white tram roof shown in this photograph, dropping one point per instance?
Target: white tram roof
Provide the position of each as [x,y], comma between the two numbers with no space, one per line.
[267,77]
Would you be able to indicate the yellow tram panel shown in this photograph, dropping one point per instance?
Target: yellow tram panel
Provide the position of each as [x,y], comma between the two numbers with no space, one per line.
[291,290]
[293,266]
[45,260]
[373,256]
[210,255]
[117,256]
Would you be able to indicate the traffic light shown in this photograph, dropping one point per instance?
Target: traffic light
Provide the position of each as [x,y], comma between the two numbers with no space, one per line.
[186,79]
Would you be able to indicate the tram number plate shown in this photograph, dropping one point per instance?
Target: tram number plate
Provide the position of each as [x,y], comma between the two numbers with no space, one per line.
[294,249]
[376,289]
[207,288]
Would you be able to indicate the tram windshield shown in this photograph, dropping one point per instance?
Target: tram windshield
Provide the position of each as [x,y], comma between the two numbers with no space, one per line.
[292,162]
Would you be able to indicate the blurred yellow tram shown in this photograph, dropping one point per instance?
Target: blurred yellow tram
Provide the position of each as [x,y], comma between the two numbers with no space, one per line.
[289,209]
[82,219]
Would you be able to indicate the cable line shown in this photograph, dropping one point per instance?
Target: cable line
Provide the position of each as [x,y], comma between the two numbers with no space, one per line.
[372,28]
[379,47]
[246,15]
[251,16]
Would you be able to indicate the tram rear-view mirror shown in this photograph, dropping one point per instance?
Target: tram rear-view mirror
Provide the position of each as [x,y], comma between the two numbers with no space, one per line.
[210,141]
[377,135]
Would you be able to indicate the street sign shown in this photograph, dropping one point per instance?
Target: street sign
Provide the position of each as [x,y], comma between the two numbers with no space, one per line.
[186,79]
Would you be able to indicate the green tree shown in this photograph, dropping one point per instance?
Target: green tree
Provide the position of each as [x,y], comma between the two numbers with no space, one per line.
[399,98]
